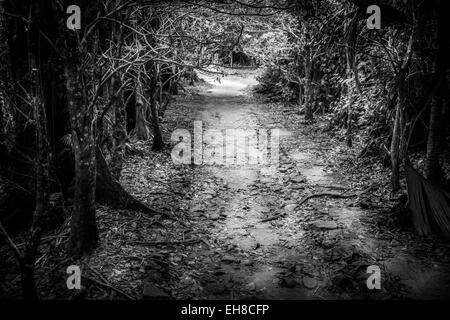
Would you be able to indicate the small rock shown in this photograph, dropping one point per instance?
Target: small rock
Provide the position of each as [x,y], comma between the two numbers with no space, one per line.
[251,286]
[298,179]
[276,281]
[230,259]
[215,216]
[290,208]
[265,210]
[328,225]
[309,282]
[266,180]
[197,209]
[283,169]
[247,262]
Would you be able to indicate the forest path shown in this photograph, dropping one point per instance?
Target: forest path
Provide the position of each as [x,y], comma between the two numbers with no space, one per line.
[319,250]
[254,251]
[282,259]
[251,258]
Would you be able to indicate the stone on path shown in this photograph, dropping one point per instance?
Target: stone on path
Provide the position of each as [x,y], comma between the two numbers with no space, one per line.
[327,225]
[290,208]
[298,179]
[230,259]
[247,262]
[309,283]
[251,286]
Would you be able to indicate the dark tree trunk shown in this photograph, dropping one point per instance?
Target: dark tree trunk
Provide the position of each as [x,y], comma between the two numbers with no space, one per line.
[349,117]
[84,233]
[300,96]
[142,130]
[433,170]
[158,143]
[119,133]
[395,144]
[41,160]
[29,291]
[398,143]
[4,81]
[308,85]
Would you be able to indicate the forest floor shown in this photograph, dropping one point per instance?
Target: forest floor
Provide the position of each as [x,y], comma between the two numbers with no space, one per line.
[217,246]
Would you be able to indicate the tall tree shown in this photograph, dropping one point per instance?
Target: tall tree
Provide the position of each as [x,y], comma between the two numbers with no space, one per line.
[84,232]
[433,170]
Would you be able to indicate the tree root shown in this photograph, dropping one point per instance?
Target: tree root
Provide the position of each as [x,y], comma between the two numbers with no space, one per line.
[317,195]
[111,193]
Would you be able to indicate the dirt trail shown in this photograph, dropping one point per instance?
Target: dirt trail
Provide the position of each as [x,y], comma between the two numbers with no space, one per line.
[320,250]
[266,258]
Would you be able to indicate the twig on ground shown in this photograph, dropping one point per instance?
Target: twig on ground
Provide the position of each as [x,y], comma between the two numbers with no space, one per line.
[157,243]
[321,194]
[106,285]
[330,186]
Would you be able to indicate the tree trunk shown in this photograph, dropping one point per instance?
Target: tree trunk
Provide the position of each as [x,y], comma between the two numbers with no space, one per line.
[300,98]
[4,80]
[433,169]
[308,86]
[352,85]
[142,130]
[299,79]
[158,143]
[395,146]
[42,164]
[398,143]
[350,116]
[397,149]
[119,131]
[84,233]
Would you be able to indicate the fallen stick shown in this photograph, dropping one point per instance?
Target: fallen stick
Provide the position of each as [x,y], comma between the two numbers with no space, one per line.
[316,195]
[273,217]
[108,286]
[104,283]
[157,243]
[329,186]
